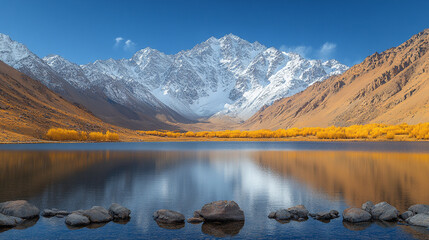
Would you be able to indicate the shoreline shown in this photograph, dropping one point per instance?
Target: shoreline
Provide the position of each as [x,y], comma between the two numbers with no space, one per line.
[193,139]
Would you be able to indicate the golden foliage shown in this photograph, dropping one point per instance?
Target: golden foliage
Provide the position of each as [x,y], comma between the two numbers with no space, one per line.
[60,134]
[368,131]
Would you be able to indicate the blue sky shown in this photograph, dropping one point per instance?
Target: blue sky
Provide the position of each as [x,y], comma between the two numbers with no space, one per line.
[84,31]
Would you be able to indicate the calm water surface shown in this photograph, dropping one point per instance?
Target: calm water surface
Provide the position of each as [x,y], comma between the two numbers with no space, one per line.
[259,176]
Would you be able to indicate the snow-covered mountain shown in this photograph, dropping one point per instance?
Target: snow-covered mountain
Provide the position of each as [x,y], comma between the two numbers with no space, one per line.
[219,76]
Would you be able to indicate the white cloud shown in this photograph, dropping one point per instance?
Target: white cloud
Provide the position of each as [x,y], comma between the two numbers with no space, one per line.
[301,50]
[327,50]
[118,41]
[129,45]
[324,52]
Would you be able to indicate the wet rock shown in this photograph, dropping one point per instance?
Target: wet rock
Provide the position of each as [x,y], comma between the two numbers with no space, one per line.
[385,212]
[197,214]
[119,212]
[222,229]
[325,215]
[19,208]
[195,220]
[420,219]
[302,219]
[355,215]
[168,216]
[419,208]
[368,206]
[222,211]
[334,213]
[298,211]
[272,215]
[97,214]
[54,213]
[283,214]
[9,221]
[76,219]
[406,215]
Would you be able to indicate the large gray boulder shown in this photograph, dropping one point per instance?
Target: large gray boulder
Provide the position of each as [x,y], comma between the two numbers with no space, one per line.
[76,219]
[385,212]
[419,208]
[9,221]
[356,215]
[282,214]
[368,206]
[96,214]
[421,219]
[19,208]
[222,211]
[168,216]
[119,212]
[298,212]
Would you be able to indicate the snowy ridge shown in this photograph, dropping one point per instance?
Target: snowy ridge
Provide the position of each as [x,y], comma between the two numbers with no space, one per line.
[219,76]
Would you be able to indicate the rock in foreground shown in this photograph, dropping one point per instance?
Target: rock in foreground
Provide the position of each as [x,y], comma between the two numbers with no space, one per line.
[419,208]
[328,215]
[385,212]
[298,212]
[406,215]
[9,221]
[421,219]
[119,212]
[76,219]
[96,214]
[368,206]
[222,211]
[19,208]
[195,220]
[54,213]
[168,216]
[355,215]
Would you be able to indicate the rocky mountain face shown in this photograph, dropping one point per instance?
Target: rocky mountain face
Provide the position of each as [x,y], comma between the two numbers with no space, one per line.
[226,76]
[389,87]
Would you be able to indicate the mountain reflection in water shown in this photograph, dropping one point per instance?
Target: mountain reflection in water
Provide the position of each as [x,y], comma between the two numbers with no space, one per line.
[260,181]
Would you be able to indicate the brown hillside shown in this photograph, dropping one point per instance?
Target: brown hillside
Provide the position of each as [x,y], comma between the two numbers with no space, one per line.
[391,87]
[28,109]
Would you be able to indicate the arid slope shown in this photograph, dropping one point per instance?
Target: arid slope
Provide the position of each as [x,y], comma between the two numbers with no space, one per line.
[28,109]
[390,87]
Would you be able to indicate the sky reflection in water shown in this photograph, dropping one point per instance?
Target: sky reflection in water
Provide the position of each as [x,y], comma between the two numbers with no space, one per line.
[259,181]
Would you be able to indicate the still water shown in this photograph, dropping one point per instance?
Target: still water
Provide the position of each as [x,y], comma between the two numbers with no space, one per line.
[259,176]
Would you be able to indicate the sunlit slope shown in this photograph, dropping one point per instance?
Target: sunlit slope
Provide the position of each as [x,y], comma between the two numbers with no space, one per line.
[28,109]
[391,87]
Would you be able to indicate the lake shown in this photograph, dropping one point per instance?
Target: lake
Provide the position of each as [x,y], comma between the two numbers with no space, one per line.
[260,176]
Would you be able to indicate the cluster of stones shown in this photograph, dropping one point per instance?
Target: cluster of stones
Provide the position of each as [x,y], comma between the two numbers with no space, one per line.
[98,214]
[417,215]
[219,211]
[14,213]
[300,213]
[221,218]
